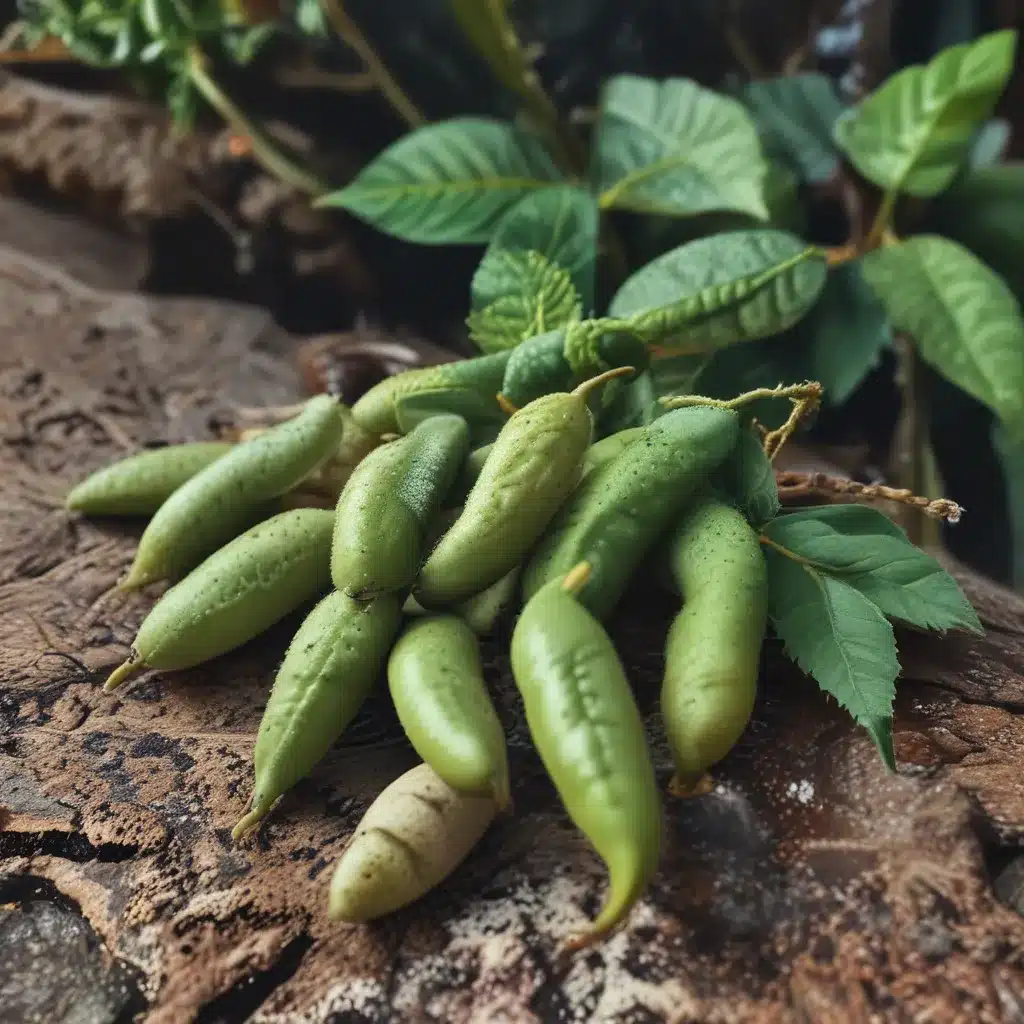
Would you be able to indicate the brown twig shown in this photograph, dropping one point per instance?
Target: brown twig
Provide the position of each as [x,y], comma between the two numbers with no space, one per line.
[825,486]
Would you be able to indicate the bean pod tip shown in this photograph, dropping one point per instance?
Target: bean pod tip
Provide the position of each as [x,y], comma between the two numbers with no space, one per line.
[128,667]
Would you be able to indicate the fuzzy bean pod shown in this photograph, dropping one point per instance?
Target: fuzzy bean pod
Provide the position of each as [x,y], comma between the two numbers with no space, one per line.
[533,467]
[587,729]
[240,591]
[437,685]
[375,411]
[221,500]
[384,512]
[620,512]
[714,645]
[411,838]
[328,670]
[139,484]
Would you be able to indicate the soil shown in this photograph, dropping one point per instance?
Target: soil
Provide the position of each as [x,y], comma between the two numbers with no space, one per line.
[809,885]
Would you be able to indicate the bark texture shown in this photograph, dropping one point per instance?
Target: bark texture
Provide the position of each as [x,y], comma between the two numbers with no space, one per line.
[810,885]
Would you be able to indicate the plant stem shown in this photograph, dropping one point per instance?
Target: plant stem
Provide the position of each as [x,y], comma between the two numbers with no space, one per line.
[486,25]
[805,398]
[350,33]
[883,219]
[268,155]
[911,455]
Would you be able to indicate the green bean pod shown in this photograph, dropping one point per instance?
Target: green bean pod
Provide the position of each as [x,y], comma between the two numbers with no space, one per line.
[139,484]
[587,729]
[240,591]
[385,510]
[481,611]
[600,453]
[437,686]
[714,645]
[375,411]
[537,367]
[622,509]
[222,500]
[328,670]
[540,366]
[355,444]
[411,838]
[471,470]
[533,467]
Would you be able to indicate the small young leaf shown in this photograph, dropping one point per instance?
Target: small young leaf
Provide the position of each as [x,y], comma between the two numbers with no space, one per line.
[984,211]
[914,132]
[749,479]
[848,331]
[794,116]
[518,294]
[835,634]
[716,291]
[561,223]
[449,182]
[871,553]
[675,148]
[965,320]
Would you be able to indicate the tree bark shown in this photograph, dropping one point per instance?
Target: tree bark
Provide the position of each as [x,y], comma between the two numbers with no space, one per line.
[809,885]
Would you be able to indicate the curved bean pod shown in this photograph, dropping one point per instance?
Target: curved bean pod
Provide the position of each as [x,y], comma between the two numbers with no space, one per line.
[600,453]
[375,411]
[437,684]
[221,500]
[533,467]
[714,645]
[240,591]
[617,516]
[386,508]
[587,729]
[412,837]
[329,668]
[141,483]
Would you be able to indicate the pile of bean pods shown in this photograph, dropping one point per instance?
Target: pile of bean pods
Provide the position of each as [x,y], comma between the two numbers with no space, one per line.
[430,541]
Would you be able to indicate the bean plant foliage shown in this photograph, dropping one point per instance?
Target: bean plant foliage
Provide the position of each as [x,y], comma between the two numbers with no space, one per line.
[743,301]
[839,575]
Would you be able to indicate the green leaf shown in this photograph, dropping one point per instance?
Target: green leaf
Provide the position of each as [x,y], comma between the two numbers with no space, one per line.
[794,116]
[516,295]
[873,555]
[749,479]
[965,320]
[984,211]
[561,223]
[848,331]
[449,182]
[738,286]
[835,634]
[914,132]
[675,148]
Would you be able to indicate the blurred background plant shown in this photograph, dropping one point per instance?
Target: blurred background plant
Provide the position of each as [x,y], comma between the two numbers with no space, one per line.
[312,92]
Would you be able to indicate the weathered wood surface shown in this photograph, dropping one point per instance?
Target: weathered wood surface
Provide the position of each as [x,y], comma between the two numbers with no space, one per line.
[809,886]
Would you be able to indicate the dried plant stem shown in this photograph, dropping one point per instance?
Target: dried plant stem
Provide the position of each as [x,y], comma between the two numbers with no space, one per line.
[350,34]
[806,399]
[263,150]
[825,485]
